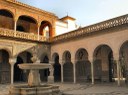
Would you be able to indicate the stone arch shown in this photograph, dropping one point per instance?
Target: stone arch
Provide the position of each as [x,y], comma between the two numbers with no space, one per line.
[8,11]
[104,68]
[32,18]
[26,51]
[123,58]
[6,19]
[21,75]
[43,56]
[28,14]
[45,72]
[26,56]
[8,50]
[66,56]
[54,55]
[83,66]
[99,46]
[67,67]
[5,68]
[57,67]
[80,54]
[46,29]
[28,23]
[123,42]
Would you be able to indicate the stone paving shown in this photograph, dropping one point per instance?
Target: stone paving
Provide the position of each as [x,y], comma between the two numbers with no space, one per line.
[4,89]
[97,89]
[83,89]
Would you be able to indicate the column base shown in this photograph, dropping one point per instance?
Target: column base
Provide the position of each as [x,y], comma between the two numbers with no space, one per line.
[92,83]
[120,82]
[50,79]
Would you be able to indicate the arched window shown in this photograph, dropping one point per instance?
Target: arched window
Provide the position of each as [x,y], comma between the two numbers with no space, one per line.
[27,24]
[46,29]
[6,19]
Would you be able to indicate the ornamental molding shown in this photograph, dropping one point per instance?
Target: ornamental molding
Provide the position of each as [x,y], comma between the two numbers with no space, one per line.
[93,28]
[20,35]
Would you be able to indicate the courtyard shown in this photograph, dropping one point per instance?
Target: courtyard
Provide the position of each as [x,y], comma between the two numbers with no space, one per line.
[89,60]
[82,89]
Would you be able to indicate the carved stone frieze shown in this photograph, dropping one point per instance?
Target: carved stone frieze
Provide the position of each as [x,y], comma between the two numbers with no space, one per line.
[21,35]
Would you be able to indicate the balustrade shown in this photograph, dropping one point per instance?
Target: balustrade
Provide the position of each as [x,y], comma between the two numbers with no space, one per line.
[21,35]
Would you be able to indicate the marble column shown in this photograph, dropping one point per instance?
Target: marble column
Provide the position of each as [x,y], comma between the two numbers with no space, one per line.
[62,74]
[38,31]
[74,71]
[118,72]
[12,61]
[15,25]
[92,70]
[117,62]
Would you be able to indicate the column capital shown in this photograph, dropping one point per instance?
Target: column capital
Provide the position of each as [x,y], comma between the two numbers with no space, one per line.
[38,24]
[91,60]
[73,61]
[12,60]
[15,18]
[61,62]
[115,61]
[116,56]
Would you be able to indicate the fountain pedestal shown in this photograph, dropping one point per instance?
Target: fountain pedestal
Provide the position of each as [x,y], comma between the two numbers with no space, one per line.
[34,86]
[34,78]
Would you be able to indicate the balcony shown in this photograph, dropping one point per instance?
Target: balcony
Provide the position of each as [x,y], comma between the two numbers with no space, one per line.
[21,35]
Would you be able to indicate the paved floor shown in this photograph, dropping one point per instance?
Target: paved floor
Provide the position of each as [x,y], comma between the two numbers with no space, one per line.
[83,89]
[97,89]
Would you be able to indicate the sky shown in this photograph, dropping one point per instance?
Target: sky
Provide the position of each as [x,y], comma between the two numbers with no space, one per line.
[86,12]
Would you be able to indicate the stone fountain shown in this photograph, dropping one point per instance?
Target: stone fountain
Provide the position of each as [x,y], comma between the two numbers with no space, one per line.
[34,86]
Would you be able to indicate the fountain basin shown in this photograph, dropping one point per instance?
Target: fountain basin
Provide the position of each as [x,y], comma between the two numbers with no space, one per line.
[40,90]
[36,66]
[34,76]
[34,86]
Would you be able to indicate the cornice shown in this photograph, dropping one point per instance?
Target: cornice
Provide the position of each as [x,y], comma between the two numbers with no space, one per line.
[92,28]
[32,8]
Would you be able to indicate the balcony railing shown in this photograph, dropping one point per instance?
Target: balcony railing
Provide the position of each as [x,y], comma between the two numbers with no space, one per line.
[21,35]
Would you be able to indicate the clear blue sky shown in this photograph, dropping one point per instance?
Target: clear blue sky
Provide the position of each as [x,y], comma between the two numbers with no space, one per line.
[86,12]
